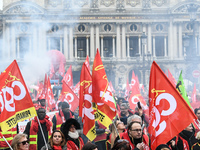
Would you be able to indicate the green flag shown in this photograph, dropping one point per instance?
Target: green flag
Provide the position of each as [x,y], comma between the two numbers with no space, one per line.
[181,88]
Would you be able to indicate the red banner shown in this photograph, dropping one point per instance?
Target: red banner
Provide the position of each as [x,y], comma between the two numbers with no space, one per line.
[102,94]
[85,103]
[166,109]
[69,96]
[61,68]
[15,102]
[68,78]
[49,96]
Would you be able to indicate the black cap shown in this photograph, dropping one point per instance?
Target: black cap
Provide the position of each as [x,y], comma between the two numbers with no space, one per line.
[65,105]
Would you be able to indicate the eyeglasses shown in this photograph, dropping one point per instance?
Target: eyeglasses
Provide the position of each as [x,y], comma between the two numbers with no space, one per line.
[24,142]
[137,130]
[122,140]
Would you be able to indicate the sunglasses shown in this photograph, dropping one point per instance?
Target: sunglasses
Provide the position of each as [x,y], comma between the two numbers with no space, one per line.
[24,142]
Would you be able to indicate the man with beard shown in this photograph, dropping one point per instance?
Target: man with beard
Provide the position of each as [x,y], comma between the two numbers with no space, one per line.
[34,132]
[61,116]
[136,138]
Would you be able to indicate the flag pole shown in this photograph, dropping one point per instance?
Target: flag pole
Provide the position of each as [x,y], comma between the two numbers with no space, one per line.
[42,132]
[7,142]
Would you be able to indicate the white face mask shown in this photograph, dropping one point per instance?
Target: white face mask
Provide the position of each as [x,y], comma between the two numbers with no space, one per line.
[73,135]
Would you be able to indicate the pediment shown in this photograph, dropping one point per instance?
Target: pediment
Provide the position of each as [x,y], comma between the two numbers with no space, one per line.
[23,8]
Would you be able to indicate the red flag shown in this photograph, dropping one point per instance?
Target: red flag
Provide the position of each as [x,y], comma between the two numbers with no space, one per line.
[87,63]
[61,68]
[194,100]
[69,96]
[166,109]
[44,90]
[111,87]
[133,80]
[77,88]
[49,96]
[51,71]
[39,91]
[171,78]
[102,94]
[85,103]
[15,101]
[68,78]
[127,89]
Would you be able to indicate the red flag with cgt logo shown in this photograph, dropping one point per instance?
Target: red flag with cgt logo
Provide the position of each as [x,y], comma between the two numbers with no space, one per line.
[166,109]
[15,101]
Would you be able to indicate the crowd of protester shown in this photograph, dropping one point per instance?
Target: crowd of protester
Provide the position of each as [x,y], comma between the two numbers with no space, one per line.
[129,131]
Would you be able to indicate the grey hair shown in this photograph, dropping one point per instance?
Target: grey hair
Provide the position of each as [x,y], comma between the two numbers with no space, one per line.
[129,119]
[124,105]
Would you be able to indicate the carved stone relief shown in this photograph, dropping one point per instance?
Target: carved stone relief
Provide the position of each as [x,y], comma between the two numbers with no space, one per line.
[94,4]
[146,4]
[54,3]
[184,8]
[120,4]
[159,3]
[81,3]
[133,3]
[23,9]
[107,3]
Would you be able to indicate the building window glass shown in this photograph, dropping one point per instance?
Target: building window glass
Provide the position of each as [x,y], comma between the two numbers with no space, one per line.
[23,46]
[55,43]
[107,47]
[159,46]
[133,46]
[107,28]
[81,47]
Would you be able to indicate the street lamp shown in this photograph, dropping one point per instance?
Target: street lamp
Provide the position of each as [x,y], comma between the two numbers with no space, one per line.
[144,42]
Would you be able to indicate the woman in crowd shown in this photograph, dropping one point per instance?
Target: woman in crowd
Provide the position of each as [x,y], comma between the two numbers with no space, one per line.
[121,144]
[56,141]
[20,142]
[69,129]
[116,125]
[90,146]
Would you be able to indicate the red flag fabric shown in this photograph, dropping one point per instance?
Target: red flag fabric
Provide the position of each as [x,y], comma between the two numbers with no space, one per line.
[51,71]
[69,96]
[194,100]
[62,68]
[85,103]
[68,78]
[44,90]
[127,89]
[111,87]
[87,63]
[39,91]
[49,96]
[133,80]
[166,109]
[15,101]
[171,78]
[102,94]
[77,89]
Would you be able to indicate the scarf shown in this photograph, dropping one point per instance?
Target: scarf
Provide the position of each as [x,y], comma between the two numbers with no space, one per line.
[45,120]
[73,135]
[62,115]
[57,147]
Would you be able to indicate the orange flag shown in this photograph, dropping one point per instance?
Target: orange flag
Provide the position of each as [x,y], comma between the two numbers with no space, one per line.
[102,94]
[44,90]
[15,101]
[39,91]
[62,68]
[85,103]
[68,78]
[49,96]
[166,109]
[127,89]
[69,96]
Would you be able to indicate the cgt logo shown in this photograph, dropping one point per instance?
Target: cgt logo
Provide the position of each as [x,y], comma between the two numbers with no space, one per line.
[8,95]
[173,104]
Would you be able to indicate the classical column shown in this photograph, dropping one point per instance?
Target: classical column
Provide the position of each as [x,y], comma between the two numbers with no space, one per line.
[44,34]
[91,39]
[154,47]
[170,39]
[87,44]
[75,47]
[13,42]
[40,39]
[35,43]
[8,41]
[149,40]
[113,45]
[97,42]
[128,46]
[123,41]
[139,45]
[165,46]
[198,48]
[102,46]
[118,41]
[18,56]
[61,49]
[71,48]
[4,40]
[180,35]
[66,42]
[175,41]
